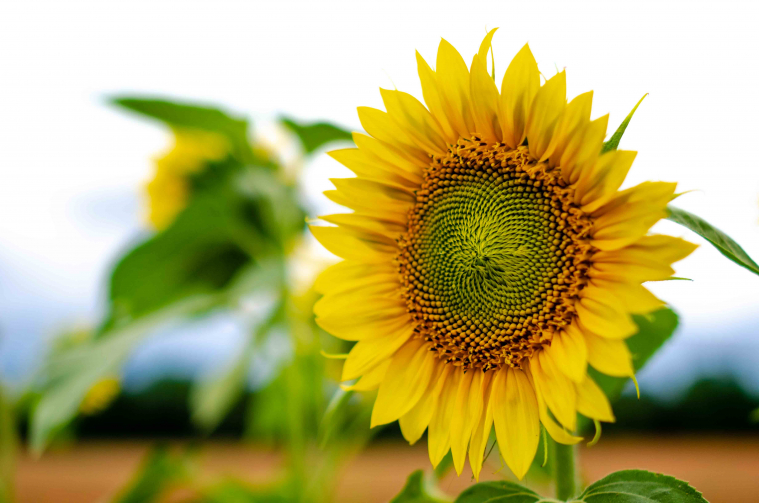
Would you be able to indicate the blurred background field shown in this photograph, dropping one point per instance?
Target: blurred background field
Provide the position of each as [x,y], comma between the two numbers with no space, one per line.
[73,199]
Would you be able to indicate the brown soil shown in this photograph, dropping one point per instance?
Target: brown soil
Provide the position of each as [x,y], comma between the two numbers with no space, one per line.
[725,469]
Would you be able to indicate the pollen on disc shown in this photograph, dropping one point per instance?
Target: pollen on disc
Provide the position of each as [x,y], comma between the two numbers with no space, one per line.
[494,256]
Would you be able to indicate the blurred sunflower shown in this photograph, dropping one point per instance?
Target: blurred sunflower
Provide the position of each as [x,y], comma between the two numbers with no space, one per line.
[490,258]
[100,396]
[169,190]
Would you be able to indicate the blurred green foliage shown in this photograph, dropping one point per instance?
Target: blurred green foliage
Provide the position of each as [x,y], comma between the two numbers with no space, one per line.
[229,246]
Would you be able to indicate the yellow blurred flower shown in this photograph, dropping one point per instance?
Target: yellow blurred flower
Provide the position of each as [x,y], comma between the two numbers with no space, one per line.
[169,190]
[100,395]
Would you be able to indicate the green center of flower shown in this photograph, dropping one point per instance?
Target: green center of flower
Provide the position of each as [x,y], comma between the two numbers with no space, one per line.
[492,259]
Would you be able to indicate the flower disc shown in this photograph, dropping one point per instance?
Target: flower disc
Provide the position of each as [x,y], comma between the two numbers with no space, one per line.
[494,254]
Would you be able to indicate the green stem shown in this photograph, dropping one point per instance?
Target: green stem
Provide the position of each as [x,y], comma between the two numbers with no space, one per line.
[564,470]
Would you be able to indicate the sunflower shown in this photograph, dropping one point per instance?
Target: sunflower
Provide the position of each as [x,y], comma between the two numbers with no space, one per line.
[169,190]
[100,396]
[490,257]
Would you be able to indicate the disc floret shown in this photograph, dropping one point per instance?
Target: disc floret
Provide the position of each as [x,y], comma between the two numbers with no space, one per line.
[494,257]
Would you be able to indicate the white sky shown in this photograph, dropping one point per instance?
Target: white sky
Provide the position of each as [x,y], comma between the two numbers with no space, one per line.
[72,167]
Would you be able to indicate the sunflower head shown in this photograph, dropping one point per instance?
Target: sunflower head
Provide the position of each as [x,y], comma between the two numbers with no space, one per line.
[100,396]
[169,190]
[489,258]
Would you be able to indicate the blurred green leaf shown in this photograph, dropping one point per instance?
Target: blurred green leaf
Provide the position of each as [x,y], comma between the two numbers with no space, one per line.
[613,142]
[185,115]
[7,447]
[159,472]
[314,135]
[71,374]
[334,417]
[639,486]
[219,235]
[416,491]
[498,491]
[211,399]
[724,243]
[234,491]
[653,331]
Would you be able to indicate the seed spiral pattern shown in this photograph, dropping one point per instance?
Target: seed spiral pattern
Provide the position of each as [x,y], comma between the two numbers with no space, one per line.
[494,256]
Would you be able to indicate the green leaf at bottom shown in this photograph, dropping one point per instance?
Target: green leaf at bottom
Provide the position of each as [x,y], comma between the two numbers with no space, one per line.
[640,486]
[507,492]
[415,491]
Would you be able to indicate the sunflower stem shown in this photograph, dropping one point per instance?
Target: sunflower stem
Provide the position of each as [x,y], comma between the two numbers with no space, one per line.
[564,470]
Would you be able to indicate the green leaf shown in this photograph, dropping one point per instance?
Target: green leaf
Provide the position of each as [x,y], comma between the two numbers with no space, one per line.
[159,471]
[653,331]
[186,115]
[639,486]
[72,373]
[218,237]
[724,243]
[235,491]
[613,142]
[314,135]
[212,398]
[497,492]
[334,416]
[416,491]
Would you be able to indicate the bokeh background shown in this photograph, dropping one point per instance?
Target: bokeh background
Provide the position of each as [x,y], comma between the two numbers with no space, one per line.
[74,168]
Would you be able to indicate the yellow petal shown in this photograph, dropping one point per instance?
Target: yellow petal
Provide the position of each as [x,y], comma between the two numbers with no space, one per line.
[347,275]
[557,432]
[591,401]
[575,118]
[366,299]
[597,187]
[439,432]
[387,229]
[569,353]
[400,161]
[372,197]
[415,421]
[415,120]
[604,317]
[381,126]
[520,84]
[371,380]
[462,421]
[516,416]
[630,297]
[485,45]
[366,165]
[348,245]
[367,354]
[556,388]
[583,151]
[484,102]
[453,84]
[405,382]
[546,108]
[366,323]
[630,214]
[433,100]
[609,356]
[481,431]
[648,259]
